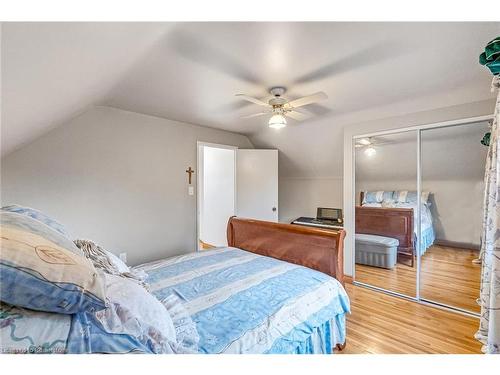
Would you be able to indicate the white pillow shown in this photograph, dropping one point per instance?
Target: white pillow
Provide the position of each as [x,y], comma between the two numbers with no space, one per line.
[372,205]
[134,311]
[388,204]
[123,268]
[424,198]
[117,262]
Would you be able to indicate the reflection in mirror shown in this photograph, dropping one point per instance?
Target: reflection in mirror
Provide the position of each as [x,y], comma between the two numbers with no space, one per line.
[453,162]
[385,213]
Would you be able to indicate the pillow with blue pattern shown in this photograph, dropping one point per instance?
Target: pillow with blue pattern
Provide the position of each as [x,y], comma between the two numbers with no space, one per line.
[377,196]
[37,215]
[405,196]
[40,269]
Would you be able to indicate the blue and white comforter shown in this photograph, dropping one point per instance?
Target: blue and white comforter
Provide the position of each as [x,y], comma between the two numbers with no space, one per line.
[240,303]
[29,331]
[246,303]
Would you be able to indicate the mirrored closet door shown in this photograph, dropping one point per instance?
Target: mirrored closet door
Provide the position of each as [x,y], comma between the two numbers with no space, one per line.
[385,214]
[452,172]
[418,212]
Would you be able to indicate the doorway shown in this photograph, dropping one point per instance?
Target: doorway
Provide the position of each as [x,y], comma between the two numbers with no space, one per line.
[216,193]
[232,181]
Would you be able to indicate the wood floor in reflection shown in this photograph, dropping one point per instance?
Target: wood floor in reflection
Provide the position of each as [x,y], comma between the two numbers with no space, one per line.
[383,324]
[448,276]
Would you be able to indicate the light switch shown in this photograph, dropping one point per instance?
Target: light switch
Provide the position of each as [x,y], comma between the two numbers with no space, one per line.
[191,190]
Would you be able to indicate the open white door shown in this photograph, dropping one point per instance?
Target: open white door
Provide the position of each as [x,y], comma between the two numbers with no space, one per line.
[216,192]
[257,184]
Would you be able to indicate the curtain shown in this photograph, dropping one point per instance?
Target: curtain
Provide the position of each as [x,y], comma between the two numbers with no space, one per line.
[489,327]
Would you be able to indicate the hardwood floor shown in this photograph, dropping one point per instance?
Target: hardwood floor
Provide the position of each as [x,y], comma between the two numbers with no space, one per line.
[448,276]
[205,246]
[383,324]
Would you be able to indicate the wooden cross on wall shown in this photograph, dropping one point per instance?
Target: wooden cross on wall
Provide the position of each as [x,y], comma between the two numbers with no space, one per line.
[190,171]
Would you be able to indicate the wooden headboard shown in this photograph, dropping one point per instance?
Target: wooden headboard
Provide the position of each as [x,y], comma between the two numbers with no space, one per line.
[319,249]
[388,222]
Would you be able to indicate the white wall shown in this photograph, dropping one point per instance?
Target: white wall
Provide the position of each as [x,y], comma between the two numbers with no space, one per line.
[457,210]
[115,177]
[456,205]
[468,110]
[218,202]
[301,196]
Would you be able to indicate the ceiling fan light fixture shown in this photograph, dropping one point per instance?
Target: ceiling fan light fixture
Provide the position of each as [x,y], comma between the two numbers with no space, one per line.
[279,106]
[364,141]
[370,152]
[277,121]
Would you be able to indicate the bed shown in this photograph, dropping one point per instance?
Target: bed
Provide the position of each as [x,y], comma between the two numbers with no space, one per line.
[276,288]
[392,214]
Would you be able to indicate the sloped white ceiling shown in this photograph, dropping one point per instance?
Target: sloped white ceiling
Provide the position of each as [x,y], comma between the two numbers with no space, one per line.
[191,71]
[450,153]
[53,71]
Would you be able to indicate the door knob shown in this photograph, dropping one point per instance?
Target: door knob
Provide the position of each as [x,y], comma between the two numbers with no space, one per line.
[274,209]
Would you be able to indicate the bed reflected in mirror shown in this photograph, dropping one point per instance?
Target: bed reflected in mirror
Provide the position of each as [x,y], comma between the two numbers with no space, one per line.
[385,212]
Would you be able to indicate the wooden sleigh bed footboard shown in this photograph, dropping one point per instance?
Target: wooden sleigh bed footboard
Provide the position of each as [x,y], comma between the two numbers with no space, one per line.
[389,222]
[314,248]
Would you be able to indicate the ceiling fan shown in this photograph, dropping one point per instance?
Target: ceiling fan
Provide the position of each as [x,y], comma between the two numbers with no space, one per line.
[369,144]
[279,107]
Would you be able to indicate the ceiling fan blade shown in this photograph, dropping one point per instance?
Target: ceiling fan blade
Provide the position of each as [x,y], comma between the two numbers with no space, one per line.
[256,115]
[296,115]
[378,53]
[201,51]
[364,141]
[307,100]
[253,100]
[381,141]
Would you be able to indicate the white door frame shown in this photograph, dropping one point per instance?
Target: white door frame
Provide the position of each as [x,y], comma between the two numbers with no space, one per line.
[199,180]
[349,203]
